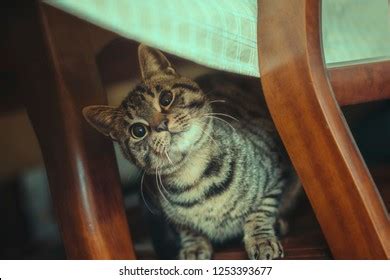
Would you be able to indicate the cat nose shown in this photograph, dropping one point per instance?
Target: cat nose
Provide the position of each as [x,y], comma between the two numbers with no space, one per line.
[163,126]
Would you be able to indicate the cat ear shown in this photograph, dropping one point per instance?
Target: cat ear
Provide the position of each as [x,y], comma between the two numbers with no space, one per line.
[153,62]
[102,118]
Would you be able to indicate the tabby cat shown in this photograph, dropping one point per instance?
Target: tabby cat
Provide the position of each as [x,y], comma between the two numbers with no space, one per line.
[218,167]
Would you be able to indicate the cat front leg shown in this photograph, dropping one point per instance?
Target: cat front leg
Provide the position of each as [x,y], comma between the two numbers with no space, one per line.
[194,246]
[261,242]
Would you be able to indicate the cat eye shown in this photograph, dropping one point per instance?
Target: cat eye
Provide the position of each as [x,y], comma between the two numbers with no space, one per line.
[166,98]
[138,130]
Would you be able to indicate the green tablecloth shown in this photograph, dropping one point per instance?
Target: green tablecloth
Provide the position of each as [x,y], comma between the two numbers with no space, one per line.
[222,33]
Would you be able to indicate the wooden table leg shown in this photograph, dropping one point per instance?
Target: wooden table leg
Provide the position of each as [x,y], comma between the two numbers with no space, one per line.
[308,118]
[61,78]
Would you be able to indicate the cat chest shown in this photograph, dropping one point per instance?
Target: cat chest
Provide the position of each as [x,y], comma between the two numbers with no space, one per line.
[208,219]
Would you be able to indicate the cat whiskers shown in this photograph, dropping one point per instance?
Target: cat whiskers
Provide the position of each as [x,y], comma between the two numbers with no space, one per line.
[207,134]
[158,177]
[143,196]
[217,101]
[162,185]
[220,119]
[222,114]
[169,159]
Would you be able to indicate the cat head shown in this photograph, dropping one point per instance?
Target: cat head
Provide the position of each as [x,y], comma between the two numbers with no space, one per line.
[161,121]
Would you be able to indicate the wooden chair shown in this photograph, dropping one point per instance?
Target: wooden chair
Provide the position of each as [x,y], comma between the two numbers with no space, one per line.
[62,78]
[55,63]
[304,98]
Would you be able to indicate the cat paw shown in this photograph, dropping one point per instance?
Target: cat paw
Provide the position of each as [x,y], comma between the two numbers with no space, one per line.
[196,251]
[264,249]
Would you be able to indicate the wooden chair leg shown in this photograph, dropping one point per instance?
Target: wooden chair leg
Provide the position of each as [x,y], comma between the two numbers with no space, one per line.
[84,182]
[298,93]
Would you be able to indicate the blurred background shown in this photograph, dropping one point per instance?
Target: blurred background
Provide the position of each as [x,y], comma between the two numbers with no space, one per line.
[28,228]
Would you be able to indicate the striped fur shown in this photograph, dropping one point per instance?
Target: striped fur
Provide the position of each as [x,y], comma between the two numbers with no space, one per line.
[219,171]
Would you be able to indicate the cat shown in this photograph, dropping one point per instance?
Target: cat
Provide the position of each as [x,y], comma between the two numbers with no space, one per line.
[218,166]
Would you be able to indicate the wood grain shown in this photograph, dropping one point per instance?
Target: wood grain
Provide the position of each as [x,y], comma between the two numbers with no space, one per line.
[359,83]
[60,71]
[308,118]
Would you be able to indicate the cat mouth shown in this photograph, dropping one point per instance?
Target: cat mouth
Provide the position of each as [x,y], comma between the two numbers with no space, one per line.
[160,151]
[163,156]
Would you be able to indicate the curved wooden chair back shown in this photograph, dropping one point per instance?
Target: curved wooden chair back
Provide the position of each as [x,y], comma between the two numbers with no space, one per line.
[304,98]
